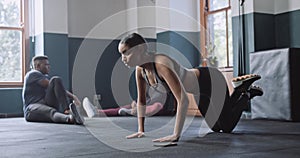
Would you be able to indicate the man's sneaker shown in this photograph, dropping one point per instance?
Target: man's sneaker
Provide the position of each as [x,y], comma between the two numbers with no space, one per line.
[89,108]
[124,112]
[77,117]
[255,91]
[244,82]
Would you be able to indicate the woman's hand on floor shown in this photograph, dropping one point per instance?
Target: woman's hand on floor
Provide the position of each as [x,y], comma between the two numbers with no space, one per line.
[170,138]
[136,135]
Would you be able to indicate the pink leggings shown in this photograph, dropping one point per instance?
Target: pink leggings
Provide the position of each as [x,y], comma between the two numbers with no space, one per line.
[154,109]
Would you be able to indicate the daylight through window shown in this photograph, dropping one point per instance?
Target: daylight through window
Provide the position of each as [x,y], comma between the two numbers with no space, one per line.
[217,16]
[11,42]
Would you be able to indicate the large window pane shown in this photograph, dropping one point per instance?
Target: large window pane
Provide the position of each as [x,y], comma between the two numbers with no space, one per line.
[218,4]
[10,56]
[10,13]
[217,31]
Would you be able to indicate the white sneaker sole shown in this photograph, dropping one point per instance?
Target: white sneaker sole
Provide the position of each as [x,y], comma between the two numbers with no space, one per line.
[89,108]
[236,82]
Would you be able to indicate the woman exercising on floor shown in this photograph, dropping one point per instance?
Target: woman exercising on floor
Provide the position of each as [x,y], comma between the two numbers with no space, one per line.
[221,111]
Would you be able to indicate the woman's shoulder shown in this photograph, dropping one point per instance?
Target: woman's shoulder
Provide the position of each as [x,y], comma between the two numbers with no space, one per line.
[138,69]
[165,60]
[162,58]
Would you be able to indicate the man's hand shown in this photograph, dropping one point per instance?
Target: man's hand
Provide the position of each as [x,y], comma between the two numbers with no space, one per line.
[76,101]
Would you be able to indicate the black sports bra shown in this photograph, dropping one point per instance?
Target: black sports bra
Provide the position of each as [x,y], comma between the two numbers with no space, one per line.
[159,81]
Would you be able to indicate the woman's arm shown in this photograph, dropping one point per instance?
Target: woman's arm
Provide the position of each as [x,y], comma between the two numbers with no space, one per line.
[141,103]
[178,90]
[141,99]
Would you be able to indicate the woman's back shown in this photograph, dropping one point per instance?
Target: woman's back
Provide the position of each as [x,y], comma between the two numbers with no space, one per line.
[189,77]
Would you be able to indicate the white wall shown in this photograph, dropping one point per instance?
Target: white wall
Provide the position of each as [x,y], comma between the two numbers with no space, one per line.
[48,16]
[177,15]
[131,15]
[248,7]
[184,15]
[141,17]
[78,18]
[265,6]
[275,6]
[36,25]
[286,5]
[36,17]
[56,16]
[147,18]
[107,19]
[162,15]
[96,18]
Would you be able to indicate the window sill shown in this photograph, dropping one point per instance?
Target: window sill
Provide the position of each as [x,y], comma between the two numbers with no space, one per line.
[226,69]
[11,85]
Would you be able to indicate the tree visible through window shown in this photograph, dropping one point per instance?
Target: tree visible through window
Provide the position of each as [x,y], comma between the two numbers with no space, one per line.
[11,42]
[219,32]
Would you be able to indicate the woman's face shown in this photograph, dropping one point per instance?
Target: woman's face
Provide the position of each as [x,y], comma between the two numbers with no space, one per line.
[130,56]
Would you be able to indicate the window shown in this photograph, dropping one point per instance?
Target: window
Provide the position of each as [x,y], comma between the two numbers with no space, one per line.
[12,42]
[218,36]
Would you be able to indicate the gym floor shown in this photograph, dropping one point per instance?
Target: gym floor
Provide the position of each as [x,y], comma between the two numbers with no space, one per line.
[105,137]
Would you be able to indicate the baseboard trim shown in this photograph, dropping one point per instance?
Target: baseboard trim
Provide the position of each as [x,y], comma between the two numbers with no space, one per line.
[10,115]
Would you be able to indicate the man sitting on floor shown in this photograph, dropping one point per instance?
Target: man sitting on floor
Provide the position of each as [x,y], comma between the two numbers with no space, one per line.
[45,99]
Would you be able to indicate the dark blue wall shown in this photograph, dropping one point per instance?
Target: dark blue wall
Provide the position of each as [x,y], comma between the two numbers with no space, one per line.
[62,51]
[110,55]
[104,72]
[105,66]
[248,36]
[185,42]
[266,31]
[56,48]
[11,101]
[287,29]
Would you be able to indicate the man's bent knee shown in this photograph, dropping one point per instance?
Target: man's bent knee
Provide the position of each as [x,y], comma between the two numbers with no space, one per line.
[56,79]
